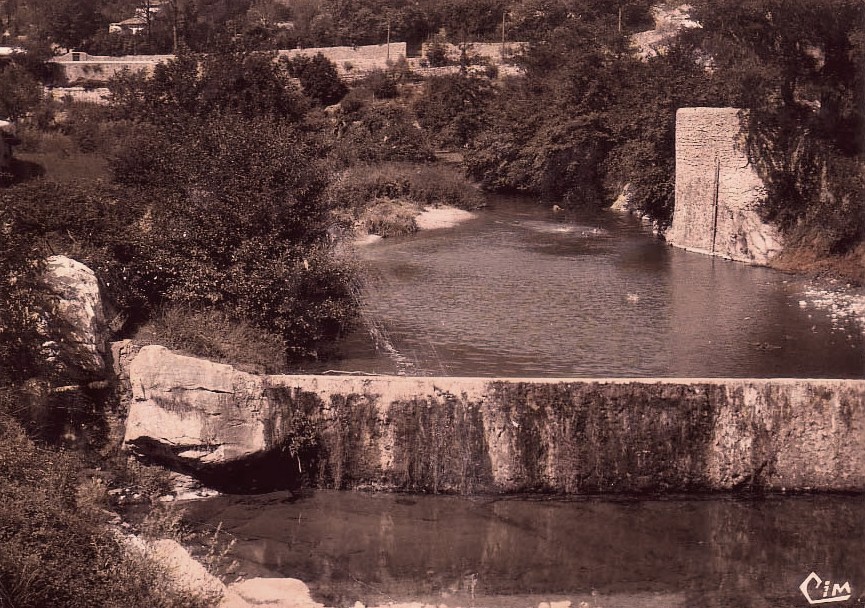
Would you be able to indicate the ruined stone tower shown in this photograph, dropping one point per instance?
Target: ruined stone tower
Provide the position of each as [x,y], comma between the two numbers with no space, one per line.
[718,190]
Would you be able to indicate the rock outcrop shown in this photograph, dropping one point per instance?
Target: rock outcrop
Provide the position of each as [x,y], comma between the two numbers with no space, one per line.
[199,417]
[189,577]
[718,192]
[470,435]
[77,320]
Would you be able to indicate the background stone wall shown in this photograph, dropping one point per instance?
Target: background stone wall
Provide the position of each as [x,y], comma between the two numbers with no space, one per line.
[712,166]
[103,67]
[355,61]
[488,50]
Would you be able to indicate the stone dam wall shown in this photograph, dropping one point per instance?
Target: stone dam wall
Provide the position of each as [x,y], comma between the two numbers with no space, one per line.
[717,190]
[474,435]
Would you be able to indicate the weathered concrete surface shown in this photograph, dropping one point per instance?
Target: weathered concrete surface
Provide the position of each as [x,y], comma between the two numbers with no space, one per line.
[718,190]
[468,435]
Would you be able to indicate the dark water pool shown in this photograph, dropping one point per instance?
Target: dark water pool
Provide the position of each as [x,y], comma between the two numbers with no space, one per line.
[519,551]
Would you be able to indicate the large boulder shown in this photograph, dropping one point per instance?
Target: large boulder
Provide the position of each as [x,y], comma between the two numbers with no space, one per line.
[205,419]
[77,321]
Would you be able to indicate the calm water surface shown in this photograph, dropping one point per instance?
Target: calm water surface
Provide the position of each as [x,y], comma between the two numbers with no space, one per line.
[521,291]
[519,551]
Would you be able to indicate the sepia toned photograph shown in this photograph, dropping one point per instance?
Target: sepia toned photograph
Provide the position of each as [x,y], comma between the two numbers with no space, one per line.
[432,303]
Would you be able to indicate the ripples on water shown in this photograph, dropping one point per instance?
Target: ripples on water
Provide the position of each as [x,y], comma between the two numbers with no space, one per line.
[521,291]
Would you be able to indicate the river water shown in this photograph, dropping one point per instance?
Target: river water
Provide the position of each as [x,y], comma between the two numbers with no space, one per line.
[521,551]
[522,291]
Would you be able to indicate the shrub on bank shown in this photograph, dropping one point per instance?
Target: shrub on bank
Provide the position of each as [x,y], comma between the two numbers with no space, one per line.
[425,185]
[388,217]
[215,335]
[55,546]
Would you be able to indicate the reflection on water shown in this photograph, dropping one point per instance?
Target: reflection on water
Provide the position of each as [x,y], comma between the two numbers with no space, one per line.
[674,552]
[522,291]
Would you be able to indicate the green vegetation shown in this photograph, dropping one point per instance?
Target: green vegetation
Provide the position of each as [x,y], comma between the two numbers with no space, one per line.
[318,78]
[57,548]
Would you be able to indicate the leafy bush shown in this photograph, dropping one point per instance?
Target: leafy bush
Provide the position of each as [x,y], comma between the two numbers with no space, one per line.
[57,553]
[437,54]
[240,226]
[318,77]
[19,92]
[380,84]
[454,108]
[92,129]
[420,184]
[382,132]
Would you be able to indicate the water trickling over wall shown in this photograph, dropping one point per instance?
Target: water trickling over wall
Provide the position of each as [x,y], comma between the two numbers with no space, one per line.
[475,435]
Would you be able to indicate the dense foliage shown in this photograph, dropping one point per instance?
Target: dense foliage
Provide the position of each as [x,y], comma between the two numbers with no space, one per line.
[215,202]
[56,547]
[318,78]
[798,67]
[20,297]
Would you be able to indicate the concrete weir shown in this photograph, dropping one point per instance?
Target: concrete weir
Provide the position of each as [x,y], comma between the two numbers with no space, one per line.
[479,435]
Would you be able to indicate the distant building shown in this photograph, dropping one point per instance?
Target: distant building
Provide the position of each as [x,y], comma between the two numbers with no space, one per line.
[133,25]
[138,22]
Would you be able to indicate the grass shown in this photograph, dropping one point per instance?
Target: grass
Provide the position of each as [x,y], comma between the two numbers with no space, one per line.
[214,335]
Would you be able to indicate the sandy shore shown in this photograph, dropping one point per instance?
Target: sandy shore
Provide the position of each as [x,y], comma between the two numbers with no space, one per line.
[442,217]
[425,218]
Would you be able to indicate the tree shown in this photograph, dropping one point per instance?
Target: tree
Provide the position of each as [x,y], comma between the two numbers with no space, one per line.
[232,82]
[318,77]
[69,23]
[548,131]
[454,107]
[19,92]
[237,222]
